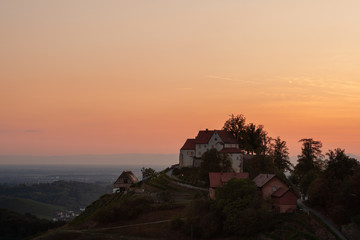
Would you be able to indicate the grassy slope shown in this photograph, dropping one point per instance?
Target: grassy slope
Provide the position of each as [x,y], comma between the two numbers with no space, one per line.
[288,226]
[22,205]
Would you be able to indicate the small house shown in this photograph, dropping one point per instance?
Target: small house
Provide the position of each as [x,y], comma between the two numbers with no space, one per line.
[218,179]
[124,181]
[272,187]
[268,184]
[284,200]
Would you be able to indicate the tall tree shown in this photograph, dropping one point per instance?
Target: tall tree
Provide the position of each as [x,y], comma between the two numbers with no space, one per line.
[252,138]
[309,163]
[279,153]
[236,125]
[255,139]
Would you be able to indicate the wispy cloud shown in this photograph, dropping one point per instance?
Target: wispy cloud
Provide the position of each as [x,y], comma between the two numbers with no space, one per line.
[32,131]
[184,89]
[220,78]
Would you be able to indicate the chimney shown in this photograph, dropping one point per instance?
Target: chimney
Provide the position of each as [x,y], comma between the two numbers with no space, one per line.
[207,130]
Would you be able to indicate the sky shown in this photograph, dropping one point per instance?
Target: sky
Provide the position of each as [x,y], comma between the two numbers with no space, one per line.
[116,77]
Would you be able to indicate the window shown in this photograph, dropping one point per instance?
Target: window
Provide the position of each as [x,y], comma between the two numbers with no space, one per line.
[274,188]
[126,180]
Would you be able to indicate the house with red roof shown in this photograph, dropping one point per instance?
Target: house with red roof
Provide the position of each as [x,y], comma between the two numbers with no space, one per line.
[272,187]
[221,140]
[218,179]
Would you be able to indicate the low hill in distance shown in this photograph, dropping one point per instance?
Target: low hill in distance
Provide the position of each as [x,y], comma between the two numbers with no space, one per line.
[45,199]
[23,205]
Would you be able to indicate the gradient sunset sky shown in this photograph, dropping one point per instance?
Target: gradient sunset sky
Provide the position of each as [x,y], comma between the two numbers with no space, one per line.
[109,77]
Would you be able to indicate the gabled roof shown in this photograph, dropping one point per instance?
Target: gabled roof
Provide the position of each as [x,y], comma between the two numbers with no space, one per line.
[218,179]
[189,144]
[230,150]
[280,192]
[227,137]
[204,136]
[261,179]
[129,175]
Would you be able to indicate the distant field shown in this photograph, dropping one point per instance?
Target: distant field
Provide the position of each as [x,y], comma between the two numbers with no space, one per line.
[22,205]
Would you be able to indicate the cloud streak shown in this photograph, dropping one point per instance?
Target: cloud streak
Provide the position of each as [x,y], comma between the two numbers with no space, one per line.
[32,131]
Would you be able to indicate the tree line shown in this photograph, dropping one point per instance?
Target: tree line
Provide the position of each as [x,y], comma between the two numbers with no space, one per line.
[330,181]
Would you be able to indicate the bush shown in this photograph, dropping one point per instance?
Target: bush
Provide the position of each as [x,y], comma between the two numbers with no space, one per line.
[176,223]
[125,209]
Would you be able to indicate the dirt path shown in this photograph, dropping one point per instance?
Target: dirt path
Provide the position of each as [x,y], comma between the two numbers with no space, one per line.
[169,174]
[319,215]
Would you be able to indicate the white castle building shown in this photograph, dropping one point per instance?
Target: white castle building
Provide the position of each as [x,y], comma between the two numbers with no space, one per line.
[221,140]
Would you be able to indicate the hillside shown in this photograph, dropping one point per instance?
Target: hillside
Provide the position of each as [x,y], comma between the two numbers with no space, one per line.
[23,205]
[161,209]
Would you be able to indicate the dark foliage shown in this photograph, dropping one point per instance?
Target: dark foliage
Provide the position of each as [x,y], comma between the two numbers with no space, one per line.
[337,188]
[148,172]
[252,138]
[237,211]
[309,164]
[213,161]
[18,226]
[279,154]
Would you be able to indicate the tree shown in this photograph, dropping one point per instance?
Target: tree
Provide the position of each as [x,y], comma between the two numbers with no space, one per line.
[251,138]
[279,153]
[337,187]
[148,172]
[339,165]
[309,163]
[237,188]
[242,208]
[255,139]
[259,164]
[213,161]
[236,125]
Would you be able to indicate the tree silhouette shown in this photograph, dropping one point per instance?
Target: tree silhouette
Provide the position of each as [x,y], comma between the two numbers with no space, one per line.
[279,153]
[251,138]
[309,163]
[339,165]
[236,125]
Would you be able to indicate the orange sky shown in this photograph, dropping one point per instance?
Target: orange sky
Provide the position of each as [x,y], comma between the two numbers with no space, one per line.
[95,77]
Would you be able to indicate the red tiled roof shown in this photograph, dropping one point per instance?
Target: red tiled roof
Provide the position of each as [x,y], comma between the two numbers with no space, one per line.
[227,137]
[189,144]
[280,192]
[203,137]
[230,150]
[261,179]
[218,179]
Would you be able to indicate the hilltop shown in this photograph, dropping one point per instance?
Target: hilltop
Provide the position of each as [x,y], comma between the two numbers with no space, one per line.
[161,207]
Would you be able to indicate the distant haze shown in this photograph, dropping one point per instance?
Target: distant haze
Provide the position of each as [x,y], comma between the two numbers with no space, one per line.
[145,160]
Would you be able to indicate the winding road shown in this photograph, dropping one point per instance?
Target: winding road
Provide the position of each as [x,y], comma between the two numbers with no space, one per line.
[319,215]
